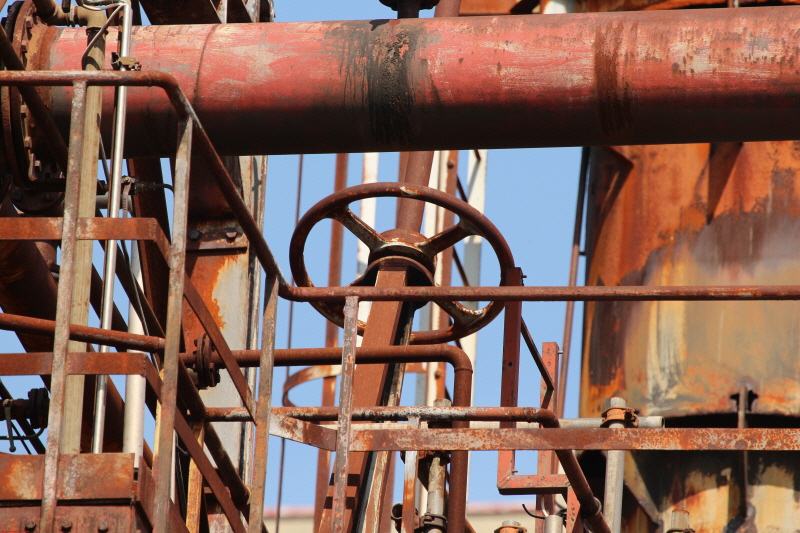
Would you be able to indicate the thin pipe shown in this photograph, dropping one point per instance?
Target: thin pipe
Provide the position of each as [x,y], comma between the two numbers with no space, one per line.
[282,453]
[110,265]
[615,473]
[135,385]
[332,330]
[573,279]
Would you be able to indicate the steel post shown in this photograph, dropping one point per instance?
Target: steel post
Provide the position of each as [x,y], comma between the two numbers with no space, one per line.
[59,374]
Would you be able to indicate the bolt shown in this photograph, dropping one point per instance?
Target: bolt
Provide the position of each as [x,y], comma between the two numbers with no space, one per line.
[16,194]
[66,524]
[102,526]
[510,523]
[231,234]
[195,234]
[29,22]
[30,525]
[48,196]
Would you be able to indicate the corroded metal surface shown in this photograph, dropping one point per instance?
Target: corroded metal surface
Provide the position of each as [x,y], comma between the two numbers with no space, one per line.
[410,84]
[701,215]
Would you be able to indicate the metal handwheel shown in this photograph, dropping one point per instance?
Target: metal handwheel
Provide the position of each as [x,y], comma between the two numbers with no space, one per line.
[410,245]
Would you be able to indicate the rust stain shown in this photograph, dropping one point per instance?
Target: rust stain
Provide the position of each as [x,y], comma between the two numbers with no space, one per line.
[694,216]
[615,100]
[378,65]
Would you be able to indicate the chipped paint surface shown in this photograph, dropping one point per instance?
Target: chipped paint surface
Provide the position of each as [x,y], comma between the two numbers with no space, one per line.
[674,358]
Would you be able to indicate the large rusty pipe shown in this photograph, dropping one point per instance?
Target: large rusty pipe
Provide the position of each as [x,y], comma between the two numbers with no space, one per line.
[626,78]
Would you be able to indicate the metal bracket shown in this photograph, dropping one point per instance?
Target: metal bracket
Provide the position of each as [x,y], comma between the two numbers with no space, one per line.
[626,415]
[126,62]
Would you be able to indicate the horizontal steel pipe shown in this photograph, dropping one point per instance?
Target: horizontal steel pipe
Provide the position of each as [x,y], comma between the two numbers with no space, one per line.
[117,339]
[389,85]
[545,294]
[675,439]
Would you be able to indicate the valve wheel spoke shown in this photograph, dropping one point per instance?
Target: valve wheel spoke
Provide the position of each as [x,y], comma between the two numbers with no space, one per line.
[362,231]
[462,315]
[447,238]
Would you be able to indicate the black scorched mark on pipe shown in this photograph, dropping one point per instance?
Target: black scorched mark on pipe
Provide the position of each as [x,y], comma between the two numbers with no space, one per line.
[376,64]
[614,101]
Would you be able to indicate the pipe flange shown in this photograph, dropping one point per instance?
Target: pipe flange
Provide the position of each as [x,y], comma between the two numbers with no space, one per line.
[27,159]
[205,369]
[35,202]
[423,4]
[38,408]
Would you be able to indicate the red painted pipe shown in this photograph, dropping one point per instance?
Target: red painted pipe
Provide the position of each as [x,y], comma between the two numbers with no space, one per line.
[583,79]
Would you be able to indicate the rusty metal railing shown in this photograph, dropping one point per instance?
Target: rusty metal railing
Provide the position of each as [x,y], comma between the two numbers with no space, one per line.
[224,481]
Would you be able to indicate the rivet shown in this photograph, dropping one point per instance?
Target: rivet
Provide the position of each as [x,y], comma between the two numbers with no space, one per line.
[102,526]
[66,524]
[30,525]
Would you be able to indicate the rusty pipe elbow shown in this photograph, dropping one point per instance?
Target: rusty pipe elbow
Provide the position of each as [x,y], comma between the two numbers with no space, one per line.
[89,18]
[591,510]
[52,14]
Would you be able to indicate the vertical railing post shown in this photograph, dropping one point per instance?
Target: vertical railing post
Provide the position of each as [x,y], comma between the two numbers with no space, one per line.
[61,341]
[264,405]
[345,412]
[407,523]
[162,471]
[509,386]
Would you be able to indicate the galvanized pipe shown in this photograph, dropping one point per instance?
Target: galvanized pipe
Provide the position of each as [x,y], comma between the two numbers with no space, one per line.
[553,524]
[114,193]
[625,77]
[615,476]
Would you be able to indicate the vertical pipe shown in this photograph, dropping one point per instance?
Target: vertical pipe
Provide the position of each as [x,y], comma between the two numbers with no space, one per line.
[332,331]
[135,385]
[615,471]
[553,524]
[290,328]
[110,264]
[79,312]
[573,279]
[418,171]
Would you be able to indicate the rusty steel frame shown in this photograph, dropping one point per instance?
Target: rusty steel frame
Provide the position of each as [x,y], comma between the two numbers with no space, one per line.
[176,413]
[70,229]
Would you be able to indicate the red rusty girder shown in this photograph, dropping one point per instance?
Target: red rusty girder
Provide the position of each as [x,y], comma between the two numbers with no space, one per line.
[625,78]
